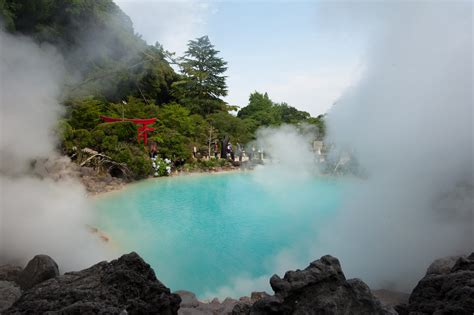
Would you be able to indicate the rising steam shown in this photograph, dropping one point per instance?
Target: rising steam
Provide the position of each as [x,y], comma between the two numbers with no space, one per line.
[37,214]
[408,122]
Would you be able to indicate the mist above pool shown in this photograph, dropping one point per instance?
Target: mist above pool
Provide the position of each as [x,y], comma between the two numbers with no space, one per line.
[217,234]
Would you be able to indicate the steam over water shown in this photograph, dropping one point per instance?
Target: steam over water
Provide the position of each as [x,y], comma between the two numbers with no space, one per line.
[409,122]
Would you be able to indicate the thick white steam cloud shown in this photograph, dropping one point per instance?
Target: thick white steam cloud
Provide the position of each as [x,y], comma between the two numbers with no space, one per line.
[409,124]
[37,215]
[409,120]
[287,153]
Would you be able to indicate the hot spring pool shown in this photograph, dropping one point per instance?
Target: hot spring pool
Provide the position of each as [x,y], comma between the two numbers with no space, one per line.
[216,234]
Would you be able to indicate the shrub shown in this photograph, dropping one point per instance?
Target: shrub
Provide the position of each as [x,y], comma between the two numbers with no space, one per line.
[98,136]
[82,138]
[64,131]
[173,145]
[85,113]
[109,143]
[124,130]
[136,159]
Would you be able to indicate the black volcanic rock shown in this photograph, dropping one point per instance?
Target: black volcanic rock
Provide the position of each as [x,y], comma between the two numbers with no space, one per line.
[447,293]
[442,265]
[10,273]
[39,269]
[319,289]
[9,293]
[241,309]
[125,284]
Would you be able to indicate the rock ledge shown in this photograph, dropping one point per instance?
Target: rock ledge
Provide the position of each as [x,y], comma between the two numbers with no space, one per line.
[125,284]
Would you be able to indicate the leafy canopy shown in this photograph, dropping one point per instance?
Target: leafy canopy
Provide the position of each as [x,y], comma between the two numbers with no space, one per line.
[203,82]
[122,76]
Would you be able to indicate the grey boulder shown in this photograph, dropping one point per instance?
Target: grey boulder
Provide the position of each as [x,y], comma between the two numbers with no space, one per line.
[188,299]
[321,288]
[442,265]
[446,293]
[39,269]
[10,272]
[127,285]
[9,293]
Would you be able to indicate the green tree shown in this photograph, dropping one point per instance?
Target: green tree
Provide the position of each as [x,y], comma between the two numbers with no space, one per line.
[173,145]
[264,112]
[174,132]
[320,124]
[85,113]
[132,108]
[203,83]
[175,116]
[258,102]
[154,77]
[7,15]
[229,125]
[289,115]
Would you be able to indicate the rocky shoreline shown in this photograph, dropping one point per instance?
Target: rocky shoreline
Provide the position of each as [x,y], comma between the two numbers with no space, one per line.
[99,185]
[128,285]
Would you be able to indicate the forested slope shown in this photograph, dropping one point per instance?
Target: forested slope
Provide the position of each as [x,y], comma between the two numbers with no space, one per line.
[112,71]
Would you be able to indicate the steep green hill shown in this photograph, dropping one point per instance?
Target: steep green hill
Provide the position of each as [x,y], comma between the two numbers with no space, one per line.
[112,71]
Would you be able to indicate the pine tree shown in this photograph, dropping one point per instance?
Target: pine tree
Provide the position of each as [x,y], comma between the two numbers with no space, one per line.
[203,82]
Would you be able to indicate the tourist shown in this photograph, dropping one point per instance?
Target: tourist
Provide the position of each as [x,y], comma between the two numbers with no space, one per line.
[216,150]
[194,151]
[224,143]
[230,152]
[153,150]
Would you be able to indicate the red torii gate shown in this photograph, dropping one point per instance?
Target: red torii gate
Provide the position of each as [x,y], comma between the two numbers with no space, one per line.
[142,130]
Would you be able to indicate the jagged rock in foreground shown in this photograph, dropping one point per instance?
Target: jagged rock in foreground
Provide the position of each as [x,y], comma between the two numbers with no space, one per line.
[9,293]
[444,292]
[39,269]
[125,284]
[442,265]
[10,273]
[190,305]
[319,289]
[188,299]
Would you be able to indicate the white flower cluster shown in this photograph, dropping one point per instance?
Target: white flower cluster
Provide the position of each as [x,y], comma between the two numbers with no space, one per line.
[158,163]
[155,166]
[168,167]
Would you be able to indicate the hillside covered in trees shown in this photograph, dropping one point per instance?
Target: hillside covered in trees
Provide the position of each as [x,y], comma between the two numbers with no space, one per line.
[112,71]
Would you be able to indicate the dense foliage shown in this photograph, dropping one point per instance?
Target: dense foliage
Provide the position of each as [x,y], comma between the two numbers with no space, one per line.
[113,72]
[262,111]
[203,83]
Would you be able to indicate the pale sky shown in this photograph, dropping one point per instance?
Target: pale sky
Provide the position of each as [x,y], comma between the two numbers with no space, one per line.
[304,53]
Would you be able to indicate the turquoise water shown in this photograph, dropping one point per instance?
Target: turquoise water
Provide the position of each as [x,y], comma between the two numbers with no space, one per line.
[201,232]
